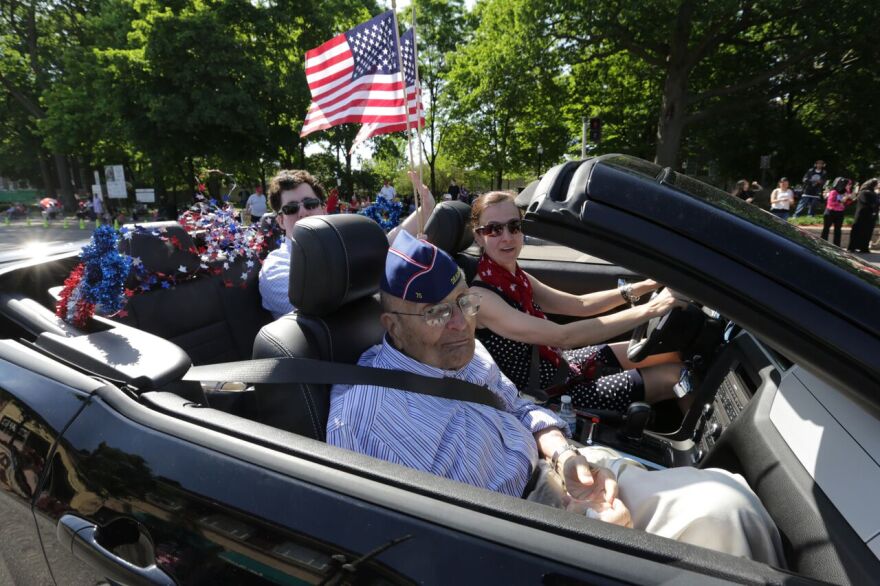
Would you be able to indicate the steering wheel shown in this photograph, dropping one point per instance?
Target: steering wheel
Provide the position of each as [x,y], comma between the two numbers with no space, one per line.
[649,336]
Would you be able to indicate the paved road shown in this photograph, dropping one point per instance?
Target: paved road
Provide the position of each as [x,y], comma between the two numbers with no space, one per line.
[19,241]
[35,240]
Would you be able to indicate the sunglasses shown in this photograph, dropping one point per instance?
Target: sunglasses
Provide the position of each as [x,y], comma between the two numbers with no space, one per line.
[291,208]
[495,229]
[439,315]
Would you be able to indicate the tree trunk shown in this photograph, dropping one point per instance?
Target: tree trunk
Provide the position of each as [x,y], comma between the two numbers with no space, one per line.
[48,184]
[670,126]
[673,107]
[63,171]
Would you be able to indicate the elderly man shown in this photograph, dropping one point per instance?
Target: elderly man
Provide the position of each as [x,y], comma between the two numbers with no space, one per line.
[430,321]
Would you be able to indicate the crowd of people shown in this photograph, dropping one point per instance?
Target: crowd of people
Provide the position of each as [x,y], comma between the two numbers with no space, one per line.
[815,194]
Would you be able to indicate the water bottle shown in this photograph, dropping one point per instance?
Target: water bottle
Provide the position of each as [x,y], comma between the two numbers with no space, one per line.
[566,413]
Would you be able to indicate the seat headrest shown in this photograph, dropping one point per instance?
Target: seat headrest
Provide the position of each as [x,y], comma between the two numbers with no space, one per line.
[335,260]
[449,227]
[162,247]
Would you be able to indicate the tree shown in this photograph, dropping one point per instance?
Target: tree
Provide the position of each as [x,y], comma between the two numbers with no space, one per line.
[504,93]
[35,35]
[711,57]
[441,26]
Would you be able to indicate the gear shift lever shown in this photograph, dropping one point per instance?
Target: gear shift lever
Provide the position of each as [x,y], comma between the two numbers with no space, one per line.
[635,421]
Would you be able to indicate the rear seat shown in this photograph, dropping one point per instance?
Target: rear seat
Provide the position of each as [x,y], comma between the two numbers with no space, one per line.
[210,321]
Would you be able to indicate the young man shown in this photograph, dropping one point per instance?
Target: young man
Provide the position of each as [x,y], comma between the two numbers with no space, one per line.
[295,195]
[814,180]
[430,322]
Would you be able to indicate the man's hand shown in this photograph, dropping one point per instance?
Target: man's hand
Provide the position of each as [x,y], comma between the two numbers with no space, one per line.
[592,490]
[425,196]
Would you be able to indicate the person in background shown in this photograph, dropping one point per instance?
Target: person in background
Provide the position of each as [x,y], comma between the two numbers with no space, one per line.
[781,200]
[354,205]
[98,206]
[835,202]
[742,190]
[454,190]
[867,203]
[333,201]
[387,192]
[256,204]
[814,180]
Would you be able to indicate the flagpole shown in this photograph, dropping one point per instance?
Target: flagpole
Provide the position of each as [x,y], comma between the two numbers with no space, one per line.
[417,92]
[412,161]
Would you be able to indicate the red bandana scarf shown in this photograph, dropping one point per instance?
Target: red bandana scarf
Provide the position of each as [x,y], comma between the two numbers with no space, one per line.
[518,288]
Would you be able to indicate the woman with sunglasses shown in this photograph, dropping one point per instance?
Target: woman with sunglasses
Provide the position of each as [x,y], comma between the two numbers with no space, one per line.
[513,328]
[294,195]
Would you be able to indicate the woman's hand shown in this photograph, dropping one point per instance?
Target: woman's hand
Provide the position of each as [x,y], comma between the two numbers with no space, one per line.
[663,303]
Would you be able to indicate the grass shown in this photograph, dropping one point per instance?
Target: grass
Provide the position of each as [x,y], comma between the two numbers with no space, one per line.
[816,220]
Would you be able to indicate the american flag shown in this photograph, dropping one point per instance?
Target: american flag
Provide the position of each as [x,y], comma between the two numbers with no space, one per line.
[355,77]
[413,95]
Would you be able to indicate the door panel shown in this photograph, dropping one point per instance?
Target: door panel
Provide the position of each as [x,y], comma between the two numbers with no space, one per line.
[214,518]
[34,410]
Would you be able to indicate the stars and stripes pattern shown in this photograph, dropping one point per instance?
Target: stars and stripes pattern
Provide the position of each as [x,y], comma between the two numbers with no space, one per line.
[413,95]
[463,441]
[355,77]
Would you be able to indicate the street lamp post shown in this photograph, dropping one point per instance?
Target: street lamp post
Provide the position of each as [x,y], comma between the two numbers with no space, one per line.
[540,154]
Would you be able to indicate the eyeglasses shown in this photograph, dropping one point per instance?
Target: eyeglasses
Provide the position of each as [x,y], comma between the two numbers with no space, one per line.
[495,229]
[291,208]
[439,315]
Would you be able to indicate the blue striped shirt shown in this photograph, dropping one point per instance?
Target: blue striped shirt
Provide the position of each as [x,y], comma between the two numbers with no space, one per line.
[464,441]
[275,280]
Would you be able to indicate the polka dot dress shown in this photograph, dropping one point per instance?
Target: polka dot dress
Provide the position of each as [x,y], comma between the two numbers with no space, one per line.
[612,388]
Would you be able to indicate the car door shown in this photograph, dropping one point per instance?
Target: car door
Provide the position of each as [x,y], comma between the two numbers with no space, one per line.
[36,403]
[137,493]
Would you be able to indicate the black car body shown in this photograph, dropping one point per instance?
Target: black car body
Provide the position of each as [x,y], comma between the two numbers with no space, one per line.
[114,467]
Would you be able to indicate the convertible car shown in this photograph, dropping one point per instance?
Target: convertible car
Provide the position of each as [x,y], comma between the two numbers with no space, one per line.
[182,441]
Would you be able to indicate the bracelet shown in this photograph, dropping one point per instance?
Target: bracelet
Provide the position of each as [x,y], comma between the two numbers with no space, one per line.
[554,460]
[627,294]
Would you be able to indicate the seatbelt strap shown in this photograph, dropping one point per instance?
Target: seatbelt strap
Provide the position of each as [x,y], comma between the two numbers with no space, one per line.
[310,371]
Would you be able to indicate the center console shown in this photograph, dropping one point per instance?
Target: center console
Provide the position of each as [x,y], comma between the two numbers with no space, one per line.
[719,396]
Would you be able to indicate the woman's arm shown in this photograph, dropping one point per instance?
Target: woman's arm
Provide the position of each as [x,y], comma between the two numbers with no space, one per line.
[561,303]
[513,324]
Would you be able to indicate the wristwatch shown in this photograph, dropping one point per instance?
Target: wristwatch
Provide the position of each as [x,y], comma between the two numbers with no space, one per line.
[554,460]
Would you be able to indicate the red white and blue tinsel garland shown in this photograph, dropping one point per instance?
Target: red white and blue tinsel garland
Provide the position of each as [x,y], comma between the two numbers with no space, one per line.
[96,284]
[226,240]
[383,212]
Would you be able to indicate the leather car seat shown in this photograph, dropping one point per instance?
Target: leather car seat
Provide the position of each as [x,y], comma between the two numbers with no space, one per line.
[205,315]
[336,266]
[449,229]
